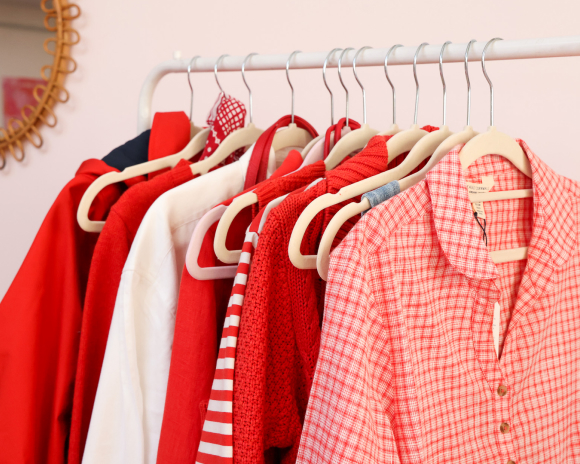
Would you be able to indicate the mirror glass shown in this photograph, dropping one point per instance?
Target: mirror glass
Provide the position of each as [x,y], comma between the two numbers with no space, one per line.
[22,34]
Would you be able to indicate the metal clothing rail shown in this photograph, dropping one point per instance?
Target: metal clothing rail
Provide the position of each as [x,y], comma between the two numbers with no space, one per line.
[454,53]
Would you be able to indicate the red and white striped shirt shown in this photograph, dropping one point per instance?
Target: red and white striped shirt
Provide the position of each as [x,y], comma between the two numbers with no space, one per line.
[216,444]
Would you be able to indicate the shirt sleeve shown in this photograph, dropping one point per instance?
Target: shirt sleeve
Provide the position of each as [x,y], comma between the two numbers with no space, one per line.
[347,419]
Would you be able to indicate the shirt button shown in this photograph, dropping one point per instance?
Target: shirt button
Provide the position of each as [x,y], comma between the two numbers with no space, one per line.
[511,462]
[504,427]
[502,390]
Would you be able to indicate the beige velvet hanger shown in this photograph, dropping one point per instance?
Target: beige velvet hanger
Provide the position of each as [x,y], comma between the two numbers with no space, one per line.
[354,209]
[397,145]
[194,146]
[250,198]
[357,139]
[240,138]
[497,143]
[291,136]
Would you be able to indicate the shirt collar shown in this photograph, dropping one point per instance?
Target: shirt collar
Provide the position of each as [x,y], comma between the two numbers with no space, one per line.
[460,237]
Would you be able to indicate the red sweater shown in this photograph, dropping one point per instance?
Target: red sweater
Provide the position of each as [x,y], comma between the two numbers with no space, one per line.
[280,324]
[199,322]
[40,322]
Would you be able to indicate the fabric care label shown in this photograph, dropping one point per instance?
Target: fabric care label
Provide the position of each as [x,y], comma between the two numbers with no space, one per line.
[485,186]
[495,327]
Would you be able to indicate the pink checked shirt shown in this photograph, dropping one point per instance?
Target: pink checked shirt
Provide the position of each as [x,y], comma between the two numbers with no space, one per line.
[408,371]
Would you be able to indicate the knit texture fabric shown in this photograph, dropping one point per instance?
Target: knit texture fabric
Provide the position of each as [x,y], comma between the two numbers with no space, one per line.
[279,332]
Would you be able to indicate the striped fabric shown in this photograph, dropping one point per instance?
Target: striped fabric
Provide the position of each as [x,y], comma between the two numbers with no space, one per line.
[216,440]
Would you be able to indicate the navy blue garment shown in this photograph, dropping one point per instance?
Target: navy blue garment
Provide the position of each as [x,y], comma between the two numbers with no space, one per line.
[135,151]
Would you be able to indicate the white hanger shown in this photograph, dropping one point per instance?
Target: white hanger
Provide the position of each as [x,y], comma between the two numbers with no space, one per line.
[250,198]
[292,136]
[397,145]
[240,138]
[354,209]
[497,143]
[357,139]
[195,145]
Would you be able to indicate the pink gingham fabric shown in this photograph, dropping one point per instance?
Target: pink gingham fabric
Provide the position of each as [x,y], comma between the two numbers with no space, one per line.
[407,371]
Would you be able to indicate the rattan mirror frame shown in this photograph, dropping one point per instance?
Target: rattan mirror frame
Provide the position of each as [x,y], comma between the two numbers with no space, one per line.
[59,15]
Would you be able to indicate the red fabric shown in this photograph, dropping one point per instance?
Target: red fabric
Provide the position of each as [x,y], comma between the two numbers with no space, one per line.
[408,371]
[216,440]
[257,172]
[199,322]
[40,321]
[170,133]
[279,328]
[109,258]
[226,116]
[337,128]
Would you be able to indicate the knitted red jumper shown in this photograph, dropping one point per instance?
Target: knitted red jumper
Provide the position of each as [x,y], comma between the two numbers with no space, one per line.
[280,325]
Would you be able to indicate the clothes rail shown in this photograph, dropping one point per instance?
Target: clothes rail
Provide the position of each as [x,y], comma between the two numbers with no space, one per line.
[502,50]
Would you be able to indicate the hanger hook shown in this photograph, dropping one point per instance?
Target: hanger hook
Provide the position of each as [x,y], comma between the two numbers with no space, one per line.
[247,86]
[288,77]
[472,41]
[443,80]
[346,50]
[191,86]
[417,81]
[488,79]
[390,83]
[332,52]
[215,71]
[360,83]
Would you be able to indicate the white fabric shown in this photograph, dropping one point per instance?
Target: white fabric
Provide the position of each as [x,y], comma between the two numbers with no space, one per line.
[316,153]
[126,421]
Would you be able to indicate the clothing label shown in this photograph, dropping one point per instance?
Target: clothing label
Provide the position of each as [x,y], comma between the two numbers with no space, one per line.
[485,186]
[495,327]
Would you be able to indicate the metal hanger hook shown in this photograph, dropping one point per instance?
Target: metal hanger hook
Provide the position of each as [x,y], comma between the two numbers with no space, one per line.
[191,86]
[346,50]
[332,52]
[472,41]
[360,83]
[488,79]
[390,83]
[247,86]
[288,77]
[215,71]
[443,80]
[417,81]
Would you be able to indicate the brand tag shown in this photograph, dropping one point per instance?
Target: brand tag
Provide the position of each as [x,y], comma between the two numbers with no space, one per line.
[485,186]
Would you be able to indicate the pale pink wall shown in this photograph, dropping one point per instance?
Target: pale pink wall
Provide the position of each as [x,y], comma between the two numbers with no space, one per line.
[121,40]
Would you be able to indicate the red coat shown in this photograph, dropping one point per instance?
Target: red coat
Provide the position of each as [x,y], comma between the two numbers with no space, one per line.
[40,321]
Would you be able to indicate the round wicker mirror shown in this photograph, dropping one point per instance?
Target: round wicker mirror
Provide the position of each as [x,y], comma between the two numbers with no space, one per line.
[24,128]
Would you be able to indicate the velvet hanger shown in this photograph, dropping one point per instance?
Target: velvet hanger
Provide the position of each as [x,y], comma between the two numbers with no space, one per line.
[228,215]
[397,145]
[195,145]
[357,139]
[353,209]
